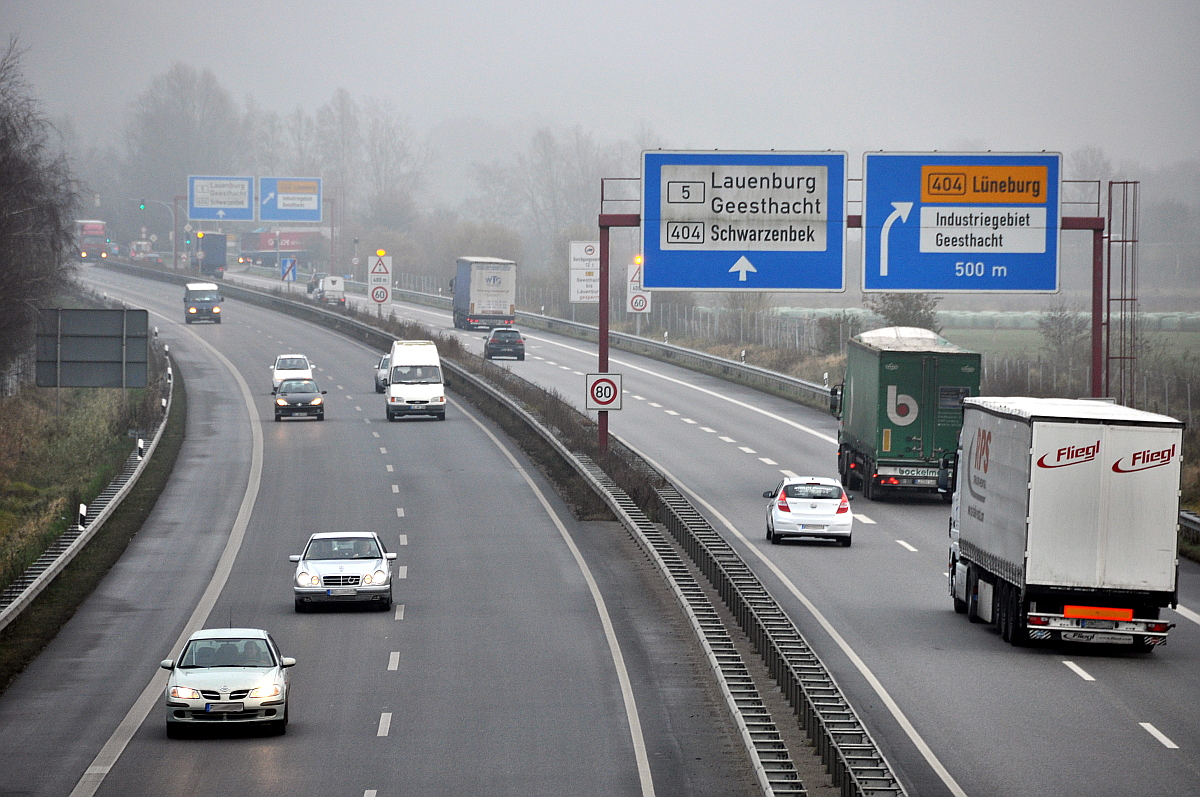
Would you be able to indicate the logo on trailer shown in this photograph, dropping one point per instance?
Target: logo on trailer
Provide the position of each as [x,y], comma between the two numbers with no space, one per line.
[1144,460]
[978,459]
[901,409]
[1069,455]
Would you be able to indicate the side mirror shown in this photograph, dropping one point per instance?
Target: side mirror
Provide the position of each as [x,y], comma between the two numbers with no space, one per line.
[390,555]
[769,494]
[323,392]
[287,661]
[222,299]
[947,473]
[835,401]
[294,557]
[167,664]
[274,391]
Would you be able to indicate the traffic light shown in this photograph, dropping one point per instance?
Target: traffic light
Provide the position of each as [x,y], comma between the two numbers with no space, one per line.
[199,235]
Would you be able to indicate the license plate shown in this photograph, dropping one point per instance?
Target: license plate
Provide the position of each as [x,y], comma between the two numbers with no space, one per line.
[341,591]
[1096,636]
[218,708]
[925,482]
[813,526]
[1098,623]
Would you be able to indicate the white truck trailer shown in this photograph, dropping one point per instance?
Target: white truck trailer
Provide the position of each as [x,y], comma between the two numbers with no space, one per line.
[1064,522]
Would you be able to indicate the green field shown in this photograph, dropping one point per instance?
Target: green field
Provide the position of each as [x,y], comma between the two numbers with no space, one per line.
[1028,343]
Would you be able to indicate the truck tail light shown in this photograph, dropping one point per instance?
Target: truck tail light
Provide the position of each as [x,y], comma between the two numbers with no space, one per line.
[1036,620]
[783,504]
[844,506]
[1158,628]
[890,480]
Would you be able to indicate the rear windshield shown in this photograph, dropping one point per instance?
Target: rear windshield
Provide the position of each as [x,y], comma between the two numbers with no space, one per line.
[416,374]
[506,335]
[812,491]
[343,548]
[291,364]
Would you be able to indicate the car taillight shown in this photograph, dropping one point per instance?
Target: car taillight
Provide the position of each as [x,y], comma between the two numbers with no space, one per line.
[1035,620]
[844,506]
[782,503]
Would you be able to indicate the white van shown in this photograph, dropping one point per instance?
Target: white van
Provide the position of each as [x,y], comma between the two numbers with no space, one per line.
[415,385]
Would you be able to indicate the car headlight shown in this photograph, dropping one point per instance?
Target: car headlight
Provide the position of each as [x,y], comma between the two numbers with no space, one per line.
[191,309]
[266,690]
[315,401]
[379,577]
[282,402]
[308,580]
[184,693]
[216,309]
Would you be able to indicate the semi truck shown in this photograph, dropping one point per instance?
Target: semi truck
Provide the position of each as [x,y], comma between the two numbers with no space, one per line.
[91,239]
[900,406]
[1064,526]
[485,293]
[211,251]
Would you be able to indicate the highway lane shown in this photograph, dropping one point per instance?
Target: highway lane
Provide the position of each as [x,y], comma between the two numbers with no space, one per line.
[492,675]
[1000,720]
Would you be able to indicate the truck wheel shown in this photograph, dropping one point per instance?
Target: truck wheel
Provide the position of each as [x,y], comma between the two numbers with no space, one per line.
[1018,629]
[1002,610]
[868,487]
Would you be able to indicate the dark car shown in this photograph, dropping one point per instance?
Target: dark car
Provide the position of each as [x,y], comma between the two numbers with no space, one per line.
[299,397]
[504,342]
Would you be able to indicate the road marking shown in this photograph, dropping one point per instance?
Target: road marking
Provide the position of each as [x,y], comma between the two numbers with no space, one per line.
[348,396]
[385,723]
[655,404]
[747,450]
[394,660]
[638,398]
[369,793]
[864,519]
[1075,668]
[399,511]
[767,461]
[402,571]
[382,450]
[390,469]
[789,474]
[888,701]
[565,367]
[376,434]
[404,539]
[399,611]
[724,439]
[358,408]
[687,420]
[1157,734]
[1189,614]
[395,488]
[671,412]
[904,544]
[707,429]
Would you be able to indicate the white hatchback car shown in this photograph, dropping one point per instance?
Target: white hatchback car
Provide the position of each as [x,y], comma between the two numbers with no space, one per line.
[227,676]
[809,506]
[290,366]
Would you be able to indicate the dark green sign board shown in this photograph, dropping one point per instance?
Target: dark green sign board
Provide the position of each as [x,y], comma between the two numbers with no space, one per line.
[92,348]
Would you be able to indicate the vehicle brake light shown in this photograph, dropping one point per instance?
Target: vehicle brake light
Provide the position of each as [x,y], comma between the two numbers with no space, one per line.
[853,465]
[890,480]
[1035,620]
[844,506]
[1158,628]
[782,503]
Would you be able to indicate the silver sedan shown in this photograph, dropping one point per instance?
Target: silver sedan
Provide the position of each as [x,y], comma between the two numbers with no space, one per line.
[343,567]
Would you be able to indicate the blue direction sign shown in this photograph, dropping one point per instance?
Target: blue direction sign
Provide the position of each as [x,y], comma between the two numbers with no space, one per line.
[763,221]
[978,222]
[289,199]
[220,198]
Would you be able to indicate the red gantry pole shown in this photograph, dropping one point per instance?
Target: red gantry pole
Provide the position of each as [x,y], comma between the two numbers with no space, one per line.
[608,220]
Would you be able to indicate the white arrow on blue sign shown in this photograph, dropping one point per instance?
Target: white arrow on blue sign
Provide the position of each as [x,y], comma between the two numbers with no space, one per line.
[961,223]
[763,221]
[289,199]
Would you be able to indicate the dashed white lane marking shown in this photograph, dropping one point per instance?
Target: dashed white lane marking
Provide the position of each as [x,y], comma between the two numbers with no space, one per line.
[579,373]
[404,539]
[638,398]
[382,450]
[789,474]
[394,660]
[864,519]
[671,412]
[347,395]
[707,429]
[1157,734]
[655,404]
[565,367]
[366,420]
[370,793]
[402,571]
[385,723]
[687,420]
[747,450]
[1075,668]
[399,511]
[376,434]
[399,611]
[390,469]
[395,488]
[767,461]
[904,544]
[358,408]
[724,439]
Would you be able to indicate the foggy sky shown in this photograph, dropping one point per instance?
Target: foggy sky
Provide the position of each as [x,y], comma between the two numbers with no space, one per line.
[839,74]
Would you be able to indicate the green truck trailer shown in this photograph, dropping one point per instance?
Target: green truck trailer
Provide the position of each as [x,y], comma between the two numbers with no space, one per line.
[901,408]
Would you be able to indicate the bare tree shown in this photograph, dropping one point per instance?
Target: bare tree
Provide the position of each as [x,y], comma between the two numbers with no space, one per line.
[1065,332]
[37,195]
[302,143]
[339,142]
[392,167]
[905,309]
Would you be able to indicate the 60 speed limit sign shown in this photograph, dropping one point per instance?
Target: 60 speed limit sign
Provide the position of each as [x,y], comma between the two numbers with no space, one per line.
[603,392]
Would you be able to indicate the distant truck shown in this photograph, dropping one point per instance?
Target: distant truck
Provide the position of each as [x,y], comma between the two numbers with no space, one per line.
[901,410]
[1064,526]
[331,291]
[211,251]
[91,239]
[485,293]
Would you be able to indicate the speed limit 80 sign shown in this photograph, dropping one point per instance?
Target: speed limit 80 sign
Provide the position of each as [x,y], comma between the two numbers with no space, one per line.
[603,392]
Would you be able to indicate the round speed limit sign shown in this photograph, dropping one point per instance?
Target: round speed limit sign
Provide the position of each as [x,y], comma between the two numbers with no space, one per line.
[603,392]
[380,293]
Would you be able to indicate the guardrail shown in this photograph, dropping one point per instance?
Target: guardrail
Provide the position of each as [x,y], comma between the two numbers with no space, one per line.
[1189,527]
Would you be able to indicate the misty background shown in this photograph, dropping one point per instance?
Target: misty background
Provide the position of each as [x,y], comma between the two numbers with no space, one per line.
[485,128]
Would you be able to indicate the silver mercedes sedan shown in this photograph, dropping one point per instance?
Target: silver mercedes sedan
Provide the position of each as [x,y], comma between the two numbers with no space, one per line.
[227,676]
[343,567]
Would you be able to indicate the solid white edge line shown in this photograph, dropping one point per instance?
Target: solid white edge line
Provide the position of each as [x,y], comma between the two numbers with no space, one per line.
[115,746]
[1157,734]
[1188,613]
[614,645]
[1075,668]
[893,708]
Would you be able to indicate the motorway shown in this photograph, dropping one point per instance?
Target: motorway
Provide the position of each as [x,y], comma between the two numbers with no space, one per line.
[956,710]
[527,653]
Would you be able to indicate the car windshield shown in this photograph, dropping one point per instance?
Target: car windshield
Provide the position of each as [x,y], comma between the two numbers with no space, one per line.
[226,652]
[343,548]
[298,386]
[416,374]
[202,296]
[812,491]
[291,364]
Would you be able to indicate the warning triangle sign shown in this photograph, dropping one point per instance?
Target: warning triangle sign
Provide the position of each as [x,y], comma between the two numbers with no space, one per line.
[380,267]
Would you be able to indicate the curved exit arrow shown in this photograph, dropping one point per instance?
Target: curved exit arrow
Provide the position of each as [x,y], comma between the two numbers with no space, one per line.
[902,209]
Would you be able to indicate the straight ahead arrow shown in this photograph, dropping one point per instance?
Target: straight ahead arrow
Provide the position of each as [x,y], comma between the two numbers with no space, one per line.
[741,267]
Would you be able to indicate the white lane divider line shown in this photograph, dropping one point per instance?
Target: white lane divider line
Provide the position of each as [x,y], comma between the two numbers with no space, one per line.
[394,660]
[725,439]
[382,450]
[1157,734]
[399,611]
[1189,614]
[404,539]
[638,398]
[399,511]
[747,450]
[370,793]
[708,429]
[1075,668]
[789,474]
[904,544]
[864,519]
[375,434]
[358,408]
[687,420]
[395,488]
[655,404]
[767,461]
[348,396]
[671,412]
[390,469]
[402,571]
[385,723]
